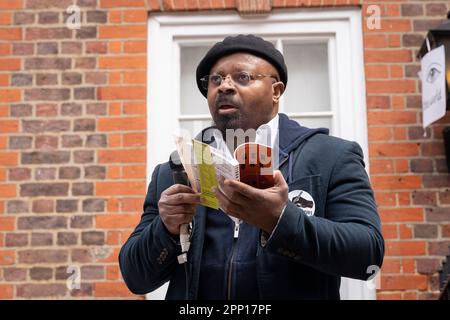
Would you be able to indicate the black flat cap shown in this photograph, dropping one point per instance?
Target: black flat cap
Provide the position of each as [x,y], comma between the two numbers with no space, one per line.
[241,43]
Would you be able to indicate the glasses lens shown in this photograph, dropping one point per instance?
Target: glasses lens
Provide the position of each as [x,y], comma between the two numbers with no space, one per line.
[241,78]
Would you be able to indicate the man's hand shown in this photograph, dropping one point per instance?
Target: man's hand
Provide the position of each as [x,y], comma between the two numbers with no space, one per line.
[259,207]
[177,206]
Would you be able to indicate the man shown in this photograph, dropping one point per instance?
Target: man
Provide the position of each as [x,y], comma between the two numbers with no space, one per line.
[283,249]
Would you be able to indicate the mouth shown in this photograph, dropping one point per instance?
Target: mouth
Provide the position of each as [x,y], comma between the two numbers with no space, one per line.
[227,109]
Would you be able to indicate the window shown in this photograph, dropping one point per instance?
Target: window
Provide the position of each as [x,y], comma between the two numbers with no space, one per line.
[323,52]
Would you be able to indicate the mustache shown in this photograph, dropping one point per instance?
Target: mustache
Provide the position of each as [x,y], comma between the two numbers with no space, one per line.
[223,100]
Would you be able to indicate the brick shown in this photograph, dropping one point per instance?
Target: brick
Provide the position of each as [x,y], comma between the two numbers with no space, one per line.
[65,206]
[421,165]
[437,214]
[116,221]
[435,9]
[121,124]
[14,275]
[96,141]
[5,49]
[47,48]
[71,109]
[122,3]
[95,172]
[42,157]
[404,282]
[111,289]
[46,142]
[401,214]
[48,222]
[96,78]
[122,62]
[9,34]
[43,206]
[409,10]
[427,198]
[438,248]
[47,94]
[93,205]
[47,63]
[8,158]
[420,25]
[97,16]
[387,55]
[44,189]
[394,149]
[122,32]
[69,173]
[48,17]
[23,49]
[20,142]
[20,80]
[83,156]
[391,86]
[425,231]
[46,79]
[412,40]
[93,238]
[46,110]
[39,273]
[21,110]
[405,248]
[135,46]
[427,266]
[41,239]
[392,117]
[81,222]
[83,189]
[23,18]
[96,47]
[19,174]
[16,239]
[71,47]
[133,172]
[92,272]
[436,181]
[84,125]
[10,95]
[411,71]
[85,63]
[6,290]
[41,290]
[48,33]
[67,238]
[70,141]
[7,190]
[86,33]
[121,93]
[135,16]
[17,206]
[87,3]
[121,156]
[71,78]
[444,197]
[7,257]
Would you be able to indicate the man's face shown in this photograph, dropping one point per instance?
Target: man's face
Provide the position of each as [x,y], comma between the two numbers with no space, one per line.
[233,106]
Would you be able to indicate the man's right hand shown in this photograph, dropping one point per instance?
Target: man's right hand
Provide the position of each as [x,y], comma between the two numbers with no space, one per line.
[177,206]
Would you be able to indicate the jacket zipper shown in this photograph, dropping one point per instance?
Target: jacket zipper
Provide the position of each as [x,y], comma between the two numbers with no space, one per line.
[230,264]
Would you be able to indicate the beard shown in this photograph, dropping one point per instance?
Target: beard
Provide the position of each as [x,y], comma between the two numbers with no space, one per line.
[230,121]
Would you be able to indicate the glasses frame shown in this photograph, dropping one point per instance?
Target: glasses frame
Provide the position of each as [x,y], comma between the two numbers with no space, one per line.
[205,79]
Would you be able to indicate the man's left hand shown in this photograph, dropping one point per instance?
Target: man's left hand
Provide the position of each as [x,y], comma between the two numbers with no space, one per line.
[259,207]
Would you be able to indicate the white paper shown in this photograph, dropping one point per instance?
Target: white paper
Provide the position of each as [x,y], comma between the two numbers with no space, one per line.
[433,86]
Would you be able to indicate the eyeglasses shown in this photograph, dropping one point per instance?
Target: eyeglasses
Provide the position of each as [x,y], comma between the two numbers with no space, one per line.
[241,78]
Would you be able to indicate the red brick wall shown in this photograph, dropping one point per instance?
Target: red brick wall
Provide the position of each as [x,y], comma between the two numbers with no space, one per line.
[73,142]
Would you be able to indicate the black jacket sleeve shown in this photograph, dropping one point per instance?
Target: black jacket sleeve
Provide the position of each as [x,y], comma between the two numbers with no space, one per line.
[347,240]
[149,256]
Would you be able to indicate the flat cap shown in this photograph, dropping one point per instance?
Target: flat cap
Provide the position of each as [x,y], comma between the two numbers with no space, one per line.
[241,43]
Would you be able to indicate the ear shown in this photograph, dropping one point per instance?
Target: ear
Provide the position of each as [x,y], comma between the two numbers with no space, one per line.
[277,91]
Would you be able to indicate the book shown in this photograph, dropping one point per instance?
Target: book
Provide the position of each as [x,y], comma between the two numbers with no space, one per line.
[205,166]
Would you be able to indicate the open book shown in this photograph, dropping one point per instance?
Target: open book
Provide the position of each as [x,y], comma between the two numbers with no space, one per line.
[205,166]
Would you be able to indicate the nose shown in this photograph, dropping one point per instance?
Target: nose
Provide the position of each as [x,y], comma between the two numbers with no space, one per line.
[227,85]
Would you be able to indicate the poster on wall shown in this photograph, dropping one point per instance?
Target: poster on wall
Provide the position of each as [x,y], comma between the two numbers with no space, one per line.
[433,85]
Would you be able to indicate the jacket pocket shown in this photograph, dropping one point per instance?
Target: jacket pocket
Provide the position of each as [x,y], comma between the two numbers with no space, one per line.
[307,194]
